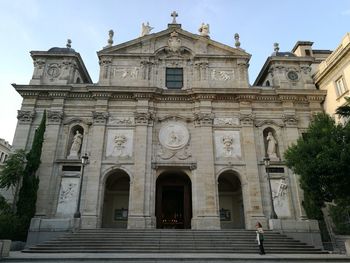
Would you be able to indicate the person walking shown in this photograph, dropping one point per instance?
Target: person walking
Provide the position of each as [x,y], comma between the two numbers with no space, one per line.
[260,237]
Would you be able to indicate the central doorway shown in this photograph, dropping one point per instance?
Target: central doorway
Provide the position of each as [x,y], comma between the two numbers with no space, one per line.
[173,201]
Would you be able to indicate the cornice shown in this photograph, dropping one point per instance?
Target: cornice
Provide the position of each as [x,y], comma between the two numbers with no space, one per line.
[253,94]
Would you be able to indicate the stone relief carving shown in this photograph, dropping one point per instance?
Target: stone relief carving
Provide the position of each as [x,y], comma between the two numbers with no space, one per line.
[247,119]
[67,192]
[126,73]
[167,154]
[174,136]
[120,144]
[290,119]
[54,116]
[271,147]
[76,145]
[38,67]
[145,69]
[227,144]
[100,117]
[280,196]
[67,199]
[121,120]
[174,43]
[222,75]
[143,118]
[54,70]
[25,116]
[226,121]
[203,118]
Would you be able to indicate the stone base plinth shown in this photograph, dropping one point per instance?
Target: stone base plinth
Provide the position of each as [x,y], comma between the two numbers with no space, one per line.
[304,230]
[205,223]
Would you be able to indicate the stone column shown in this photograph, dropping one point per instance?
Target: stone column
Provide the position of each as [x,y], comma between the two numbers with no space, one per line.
[252,197]
[90,199]
[204,197]
[139,210]
[47,171]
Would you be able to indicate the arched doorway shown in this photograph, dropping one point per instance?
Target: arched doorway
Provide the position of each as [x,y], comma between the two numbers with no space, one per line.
[173,201]
[116,200]
[230,201]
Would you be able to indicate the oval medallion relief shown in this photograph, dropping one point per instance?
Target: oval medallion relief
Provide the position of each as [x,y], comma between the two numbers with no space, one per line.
[174,135]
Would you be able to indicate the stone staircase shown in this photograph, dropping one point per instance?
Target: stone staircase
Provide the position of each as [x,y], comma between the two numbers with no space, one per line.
[171,241]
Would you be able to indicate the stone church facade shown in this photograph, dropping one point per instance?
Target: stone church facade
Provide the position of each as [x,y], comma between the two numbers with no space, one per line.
[174,133]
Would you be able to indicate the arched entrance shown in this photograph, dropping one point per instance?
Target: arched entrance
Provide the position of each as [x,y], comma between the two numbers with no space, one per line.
[173,200]
[230,201]
[116,200]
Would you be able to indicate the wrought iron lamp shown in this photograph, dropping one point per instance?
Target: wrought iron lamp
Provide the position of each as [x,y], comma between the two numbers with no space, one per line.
[267,165]
[84,161]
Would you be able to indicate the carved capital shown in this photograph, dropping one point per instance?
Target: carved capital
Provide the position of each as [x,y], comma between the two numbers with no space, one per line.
[247,119]
[204,119]
[25,117]
[105,61]
[143,118]
[100,117]
[54,117]
[290,120]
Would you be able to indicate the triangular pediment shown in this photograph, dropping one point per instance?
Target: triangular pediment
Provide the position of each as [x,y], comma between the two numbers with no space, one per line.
[153,43]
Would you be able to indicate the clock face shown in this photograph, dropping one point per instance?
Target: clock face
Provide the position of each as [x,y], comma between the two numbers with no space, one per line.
[292,75]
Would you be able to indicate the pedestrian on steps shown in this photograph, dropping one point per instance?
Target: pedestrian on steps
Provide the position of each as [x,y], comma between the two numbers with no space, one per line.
[260,237]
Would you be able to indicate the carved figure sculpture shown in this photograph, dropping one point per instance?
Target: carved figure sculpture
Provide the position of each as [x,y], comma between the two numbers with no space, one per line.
[119,145]
[204,30]
[271,146]
[76,144]
[145,29]
[228,142]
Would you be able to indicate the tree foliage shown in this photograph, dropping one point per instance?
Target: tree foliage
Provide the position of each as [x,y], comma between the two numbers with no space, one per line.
[13,169]
[30,184]
[344,110]
[322,159]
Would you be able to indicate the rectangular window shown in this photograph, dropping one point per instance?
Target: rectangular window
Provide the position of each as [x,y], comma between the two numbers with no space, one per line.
[341,89]
[174,78]
[307,52]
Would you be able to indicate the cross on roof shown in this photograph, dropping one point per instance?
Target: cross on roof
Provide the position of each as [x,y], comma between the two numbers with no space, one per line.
[174,15]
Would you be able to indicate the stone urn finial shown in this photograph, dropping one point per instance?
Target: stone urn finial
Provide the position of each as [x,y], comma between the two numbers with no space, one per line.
[69,43]
[237,43]
[110,40]
[276,47]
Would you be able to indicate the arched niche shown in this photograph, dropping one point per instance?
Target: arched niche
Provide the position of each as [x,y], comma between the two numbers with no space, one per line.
[231,208]
[116,200]
[75,141]
[271,144]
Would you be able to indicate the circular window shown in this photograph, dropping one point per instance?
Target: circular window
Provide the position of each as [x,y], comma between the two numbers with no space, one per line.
[292,75]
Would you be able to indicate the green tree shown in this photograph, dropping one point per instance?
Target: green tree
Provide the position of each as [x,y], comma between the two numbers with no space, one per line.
[344,110]
[12,173]
[321,158]
[30,184]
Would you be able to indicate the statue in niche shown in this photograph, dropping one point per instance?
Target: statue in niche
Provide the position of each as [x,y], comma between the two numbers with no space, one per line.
[204,30]
[119,146]
[228,145]
[145,29]
[271,146]
[75,147]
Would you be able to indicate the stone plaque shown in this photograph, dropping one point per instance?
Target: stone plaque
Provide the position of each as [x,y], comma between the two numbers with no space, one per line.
[227,144]
[67,200]
[120,144]
[174,135]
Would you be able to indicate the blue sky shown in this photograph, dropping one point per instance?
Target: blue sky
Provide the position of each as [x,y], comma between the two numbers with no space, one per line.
[27,25]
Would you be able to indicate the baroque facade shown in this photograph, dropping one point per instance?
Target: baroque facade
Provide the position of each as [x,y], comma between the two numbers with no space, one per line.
[174,133]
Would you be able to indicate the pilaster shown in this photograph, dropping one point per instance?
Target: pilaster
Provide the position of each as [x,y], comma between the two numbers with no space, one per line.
[252,196]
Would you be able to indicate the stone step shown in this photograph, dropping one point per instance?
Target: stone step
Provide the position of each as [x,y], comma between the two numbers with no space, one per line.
[170,241]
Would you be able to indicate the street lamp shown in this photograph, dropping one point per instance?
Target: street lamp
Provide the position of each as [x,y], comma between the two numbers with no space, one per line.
[84,161]
[267,165]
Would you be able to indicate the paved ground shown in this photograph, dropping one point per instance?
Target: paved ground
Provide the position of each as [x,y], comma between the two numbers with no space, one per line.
[193,258]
